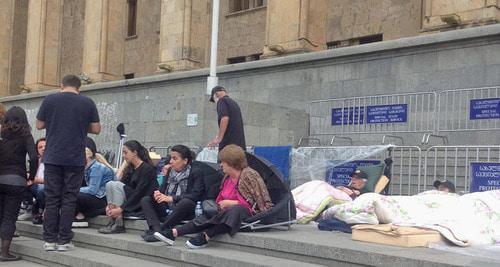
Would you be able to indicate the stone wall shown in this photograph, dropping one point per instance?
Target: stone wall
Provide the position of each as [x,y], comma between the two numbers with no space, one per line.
[242,33]
[141,51]
[73,27]
[359,18]
[275,93]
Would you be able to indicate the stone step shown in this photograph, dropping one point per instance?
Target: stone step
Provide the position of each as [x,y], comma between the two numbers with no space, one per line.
[303,243]
[306,243]
[31,249]
[178,255]
[22,263]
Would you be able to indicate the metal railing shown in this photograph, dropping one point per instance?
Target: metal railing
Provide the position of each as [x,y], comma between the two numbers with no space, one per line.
[413,169]
[453,163]
[362,114]
[469,109]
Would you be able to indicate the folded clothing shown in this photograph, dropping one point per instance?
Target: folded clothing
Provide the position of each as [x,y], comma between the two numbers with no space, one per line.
[334,225]
[389,234]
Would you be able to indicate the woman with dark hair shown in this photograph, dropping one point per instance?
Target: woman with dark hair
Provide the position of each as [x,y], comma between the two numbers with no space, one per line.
[181,189]
[37,184]
[243,193]
[139,180]
[16,143]
[91,200]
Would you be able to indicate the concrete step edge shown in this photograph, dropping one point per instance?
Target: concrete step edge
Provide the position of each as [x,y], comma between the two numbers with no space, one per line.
[32,249]
[125,244]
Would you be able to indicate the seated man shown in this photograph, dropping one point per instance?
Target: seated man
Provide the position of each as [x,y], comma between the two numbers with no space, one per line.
[445,186]
[357,184]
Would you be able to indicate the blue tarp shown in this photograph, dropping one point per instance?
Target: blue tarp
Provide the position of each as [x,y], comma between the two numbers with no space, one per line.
[277,155]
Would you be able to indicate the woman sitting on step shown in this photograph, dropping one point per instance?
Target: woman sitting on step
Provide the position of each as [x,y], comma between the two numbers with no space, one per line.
[243,194]
[181,189]
[139,180]
[91,200]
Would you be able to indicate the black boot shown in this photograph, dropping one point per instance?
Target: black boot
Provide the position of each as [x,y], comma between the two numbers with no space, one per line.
[105,229]
[116,228]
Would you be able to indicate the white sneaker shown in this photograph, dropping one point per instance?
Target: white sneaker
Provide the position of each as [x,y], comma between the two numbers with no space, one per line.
[65,247]
[80,223]
[49,246]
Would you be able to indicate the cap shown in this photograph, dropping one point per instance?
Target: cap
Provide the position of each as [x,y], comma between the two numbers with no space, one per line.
[216,89]
[153,155]
[359,174]
[446,184]
[90,144]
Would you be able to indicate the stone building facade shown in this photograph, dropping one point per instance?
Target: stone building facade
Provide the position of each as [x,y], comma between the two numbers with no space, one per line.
[106,40]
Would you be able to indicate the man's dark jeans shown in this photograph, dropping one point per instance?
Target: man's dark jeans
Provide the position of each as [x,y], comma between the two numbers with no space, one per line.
[62,184]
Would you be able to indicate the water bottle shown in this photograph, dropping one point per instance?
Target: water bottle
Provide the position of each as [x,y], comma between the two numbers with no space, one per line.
[198,210]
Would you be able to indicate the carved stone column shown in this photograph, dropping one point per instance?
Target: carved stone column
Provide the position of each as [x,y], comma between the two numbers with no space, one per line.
[43,44]
[104,39]
[295,26]
[182,42]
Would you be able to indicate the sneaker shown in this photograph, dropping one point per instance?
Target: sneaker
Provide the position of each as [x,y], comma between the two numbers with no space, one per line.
[80,223]
[199,241]
[133,217]
[37,219]
[25,217]
[166,236]
[147,232]
[113,229]
[47,246]
[150,238]
[65,247]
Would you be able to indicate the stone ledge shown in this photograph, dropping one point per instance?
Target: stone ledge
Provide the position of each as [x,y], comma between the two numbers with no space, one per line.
[409,42]
[321,247]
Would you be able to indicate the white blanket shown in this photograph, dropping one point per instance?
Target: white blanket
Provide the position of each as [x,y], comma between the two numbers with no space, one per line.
[471,219]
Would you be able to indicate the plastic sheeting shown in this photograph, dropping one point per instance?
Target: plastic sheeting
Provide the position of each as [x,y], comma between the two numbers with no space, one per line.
[311,163]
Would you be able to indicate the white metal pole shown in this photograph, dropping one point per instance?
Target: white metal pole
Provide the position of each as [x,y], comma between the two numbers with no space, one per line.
[213,80]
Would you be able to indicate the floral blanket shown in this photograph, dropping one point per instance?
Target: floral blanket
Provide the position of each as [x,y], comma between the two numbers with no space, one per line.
[468,220]
[314,197]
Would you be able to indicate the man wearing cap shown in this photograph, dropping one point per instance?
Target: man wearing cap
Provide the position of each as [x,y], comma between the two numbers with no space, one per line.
[444,186]
[357,184]
[229,120]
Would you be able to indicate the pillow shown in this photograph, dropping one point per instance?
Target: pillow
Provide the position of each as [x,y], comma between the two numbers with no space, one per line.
[373,172]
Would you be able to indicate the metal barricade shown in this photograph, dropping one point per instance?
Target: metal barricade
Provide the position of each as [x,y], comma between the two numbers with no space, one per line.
[165,150]
[469,109]
[453,163]
[349,115]
[405,171]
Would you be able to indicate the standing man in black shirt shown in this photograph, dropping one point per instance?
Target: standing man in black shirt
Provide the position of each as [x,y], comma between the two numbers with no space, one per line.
[229,120]
[67,117]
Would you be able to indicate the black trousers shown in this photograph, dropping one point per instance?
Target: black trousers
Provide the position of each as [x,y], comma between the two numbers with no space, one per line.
[90,205]
[62,184]
[11,197]
[226,221]
[155,212]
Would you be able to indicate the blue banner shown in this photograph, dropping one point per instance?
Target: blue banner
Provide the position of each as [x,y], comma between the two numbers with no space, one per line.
[485,176]
[341,175]
[348,115]
[387,113]
[481,109]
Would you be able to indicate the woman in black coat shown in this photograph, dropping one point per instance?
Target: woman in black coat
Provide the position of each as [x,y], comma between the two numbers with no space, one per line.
[176,200]
[123,197]
[16,142]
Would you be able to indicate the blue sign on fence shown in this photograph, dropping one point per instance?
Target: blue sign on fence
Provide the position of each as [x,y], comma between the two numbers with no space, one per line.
[387,113]
[488,108]
[348,115]
[485,176]
[341,175]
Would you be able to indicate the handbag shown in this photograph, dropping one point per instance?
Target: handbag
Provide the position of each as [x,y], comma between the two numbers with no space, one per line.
[209,208]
